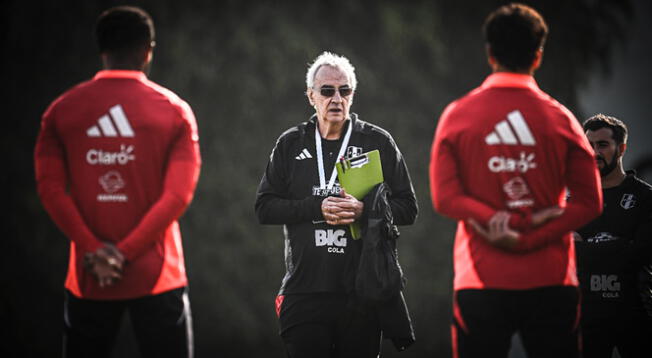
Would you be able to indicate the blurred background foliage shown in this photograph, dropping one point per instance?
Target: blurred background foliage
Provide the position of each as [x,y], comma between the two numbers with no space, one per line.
[241,65]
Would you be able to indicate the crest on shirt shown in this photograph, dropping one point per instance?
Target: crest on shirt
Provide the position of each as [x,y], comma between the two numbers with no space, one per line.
[352,152]
[112,182]
[628,201]
[516,188]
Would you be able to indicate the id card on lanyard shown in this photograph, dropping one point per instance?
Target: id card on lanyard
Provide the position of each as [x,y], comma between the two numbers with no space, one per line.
[320,158]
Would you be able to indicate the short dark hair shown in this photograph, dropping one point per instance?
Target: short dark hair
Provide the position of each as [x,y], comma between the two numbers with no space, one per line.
[599,121]
[124,30]
[514,33]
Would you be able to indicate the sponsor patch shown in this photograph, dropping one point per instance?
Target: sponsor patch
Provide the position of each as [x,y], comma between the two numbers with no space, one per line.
[101,157]
[601,237]
[333,239]
[608,285]
[500,164]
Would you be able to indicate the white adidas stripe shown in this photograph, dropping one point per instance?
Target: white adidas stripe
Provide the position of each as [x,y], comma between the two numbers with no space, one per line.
[518,132]
[492,139]
[107,126]
[93,132]
[305,154]
[505,133]
[521,128]
[121,121]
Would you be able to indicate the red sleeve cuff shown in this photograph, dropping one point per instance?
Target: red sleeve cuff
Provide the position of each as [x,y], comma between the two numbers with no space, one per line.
[521,222]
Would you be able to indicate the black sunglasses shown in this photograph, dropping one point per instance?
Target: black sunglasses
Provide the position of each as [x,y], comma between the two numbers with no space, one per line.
[329,91]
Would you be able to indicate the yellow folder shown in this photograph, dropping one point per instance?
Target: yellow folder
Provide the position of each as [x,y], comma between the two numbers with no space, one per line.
[358,176]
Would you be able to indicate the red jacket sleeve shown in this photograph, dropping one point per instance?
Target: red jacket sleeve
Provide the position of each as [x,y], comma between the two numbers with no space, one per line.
[446,188]
[181,177]
[52,184]
[583,183]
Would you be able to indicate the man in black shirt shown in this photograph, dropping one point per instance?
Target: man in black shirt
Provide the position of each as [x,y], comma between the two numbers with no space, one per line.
[612,249]
[318,314]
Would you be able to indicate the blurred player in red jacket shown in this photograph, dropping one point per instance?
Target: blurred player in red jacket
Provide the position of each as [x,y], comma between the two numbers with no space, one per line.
[503,158]
[117,160]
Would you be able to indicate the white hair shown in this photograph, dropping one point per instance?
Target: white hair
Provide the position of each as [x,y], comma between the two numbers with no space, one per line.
[330,59]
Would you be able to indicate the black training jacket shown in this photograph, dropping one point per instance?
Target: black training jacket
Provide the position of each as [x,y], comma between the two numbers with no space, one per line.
[613,249]
[321,257]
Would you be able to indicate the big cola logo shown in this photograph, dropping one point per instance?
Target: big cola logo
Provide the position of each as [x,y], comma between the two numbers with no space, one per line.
[334,239]
[607,284]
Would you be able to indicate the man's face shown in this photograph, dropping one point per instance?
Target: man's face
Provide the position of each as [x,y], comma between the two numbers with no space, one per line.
[331,108]
[607,151]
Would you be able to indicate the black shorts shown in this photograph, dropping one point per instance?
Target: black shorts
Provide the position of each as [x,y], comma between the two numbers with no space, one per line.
[547,319]
[162,325]
[325,325]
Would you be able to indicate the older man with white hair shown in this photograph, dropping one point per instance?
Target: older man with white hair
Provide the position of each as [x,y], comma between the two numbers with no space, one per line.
[319,313]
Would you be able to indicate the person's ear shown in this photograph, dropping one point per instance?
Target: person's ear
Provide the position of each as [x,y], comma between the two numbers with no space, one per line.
[149,53]
[309,94]
[491,60]
[622,148]
[536,63]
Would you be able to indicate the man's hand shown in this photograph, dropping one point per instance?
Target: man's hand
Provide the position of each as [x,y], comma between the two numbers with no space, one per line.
[111,256]
[544,215]
[499,233]
[105,264]
[341,210]
[105,274]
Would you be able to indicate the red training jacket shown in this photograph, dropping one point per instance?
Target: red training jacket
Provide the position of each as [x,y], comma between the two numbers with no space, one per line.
[117,160]
[507,145]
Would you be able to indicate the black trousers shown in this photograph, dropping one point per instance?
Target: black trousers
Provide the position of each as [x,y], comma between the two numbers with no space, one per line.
[546,318]
[162,325]
[628,333]
[328,326]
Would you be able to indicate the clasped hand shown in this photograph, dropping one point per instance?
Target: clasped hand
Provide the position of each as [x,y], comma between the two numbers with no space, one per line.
[105,264]
[341,210]
[499,234]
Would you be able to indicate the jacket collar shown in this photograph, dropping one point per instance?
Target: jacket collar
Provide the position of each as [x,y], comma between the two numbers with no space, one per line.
[510,79]
[353,117]
[137,75]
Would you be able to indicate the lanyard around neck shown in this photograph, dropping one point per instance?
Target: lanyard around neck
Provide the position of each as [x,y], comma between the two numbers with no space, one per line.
[320,159]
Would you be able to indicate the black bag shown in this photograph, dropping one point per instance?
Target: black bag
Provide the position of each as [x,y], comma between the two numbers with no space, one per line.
[379,277]
[379,281]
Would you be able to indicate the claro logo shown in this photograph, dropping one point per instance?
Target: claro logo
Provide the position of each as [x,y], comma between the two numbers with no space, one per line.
[334,239]
[100,157]
[521,164]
